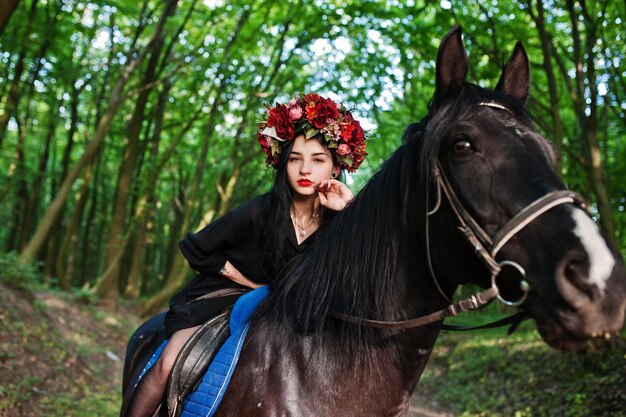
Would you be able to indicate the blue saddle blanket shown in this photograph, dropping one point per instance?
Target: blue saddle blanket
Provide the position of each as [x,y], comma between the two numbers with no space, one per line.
[204,400]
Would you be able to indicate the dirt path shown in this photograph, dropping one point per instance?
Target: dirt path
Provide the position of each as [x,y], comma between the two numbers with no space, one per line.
[421,406]
[416,411]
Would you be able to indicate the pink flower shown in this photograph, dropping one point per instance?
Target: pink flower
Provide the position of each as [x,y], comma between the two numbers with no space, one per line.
[295,112]
[343,149]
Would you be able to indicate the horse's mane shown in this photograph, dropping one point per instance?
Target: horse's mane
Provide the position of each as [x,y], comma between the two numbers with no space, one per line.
[353,267]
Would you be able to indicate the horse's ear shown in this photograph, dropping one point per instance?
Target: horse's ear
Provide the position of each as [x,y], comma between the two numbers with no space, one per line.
[452,64]
[515,78]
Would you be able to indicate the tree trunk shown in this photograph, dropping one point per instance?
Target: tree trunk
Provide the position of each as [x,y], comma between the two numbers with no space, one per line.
[133,285]
[546,47]
[588,113]
[108,285]
[17,234]
[64,268]
[7,7]
[14,93]
[86,265]
[17,167]
[104,124]
[21,193]
[35,194]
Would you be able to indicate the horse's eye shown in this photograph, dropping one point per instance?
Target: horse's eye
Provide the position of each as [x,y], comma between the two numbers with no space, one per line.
[462,146]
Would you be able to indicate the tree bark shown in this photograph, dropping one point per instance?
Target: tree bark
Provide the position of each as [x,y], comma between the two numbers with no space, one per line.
[19,232]
[86,264]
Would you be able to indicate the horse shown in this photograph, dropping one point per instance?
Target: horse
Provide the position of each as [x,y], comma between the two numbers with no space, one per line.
[470,197]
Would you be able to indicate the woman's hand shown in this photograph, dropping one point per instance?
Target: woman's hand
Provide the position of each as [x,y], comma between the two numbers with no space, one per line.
[334,194]
[232,273]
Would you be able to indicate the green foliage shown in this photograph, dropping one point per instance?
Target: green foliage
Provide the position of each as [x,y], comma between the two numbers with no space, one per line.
[18,274]
[219,61]
[86,404]
[488,373]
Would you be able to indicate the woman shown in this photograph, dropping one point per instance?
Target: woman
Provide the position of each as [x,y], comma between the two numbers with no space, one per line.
[308,141]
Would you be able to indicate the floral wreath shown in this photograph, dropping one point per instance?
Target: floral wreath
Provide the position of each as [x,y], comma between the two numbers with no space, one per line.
[312,114]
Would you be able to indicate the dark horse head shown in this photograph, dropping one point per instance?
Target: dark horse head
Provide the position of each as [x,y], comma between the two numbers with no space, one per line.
[526,229]
[498,166]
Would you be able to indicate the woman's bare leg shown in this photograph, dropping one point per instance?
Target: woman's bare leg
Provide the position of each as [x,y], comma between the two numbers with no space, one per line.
[149,393]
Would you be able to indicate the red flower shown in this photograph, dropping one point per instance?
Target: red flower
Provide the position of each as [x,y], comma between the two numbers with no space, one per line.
[319,110]
[312,111]
[262,139]
[280,120]
[346,131]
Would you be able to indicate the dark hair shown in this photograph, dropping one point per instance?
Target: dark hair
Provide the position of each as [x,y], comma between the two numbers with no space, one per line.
[277,214]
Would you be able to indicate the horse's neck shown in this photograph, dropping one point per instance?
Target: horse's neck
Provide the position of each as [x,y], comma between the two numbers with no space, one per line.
[278,368]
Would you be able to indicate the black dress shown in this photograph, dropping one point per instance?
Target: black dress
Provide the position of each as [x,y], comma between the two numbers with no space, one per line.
[236,237]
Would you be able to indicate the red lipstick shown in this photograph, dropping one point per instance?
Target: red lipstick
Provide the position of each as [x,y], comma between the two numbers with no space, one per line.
[303,182]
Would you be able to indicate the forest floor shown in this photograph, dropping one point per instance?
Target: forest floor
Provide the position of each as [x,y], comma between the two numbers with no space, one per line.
[59,355]
[62,356]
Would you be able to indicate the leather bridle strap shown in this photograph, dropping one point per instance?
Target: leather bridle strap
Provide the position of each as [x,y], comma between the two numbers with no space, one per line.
[530,213]
[488,247]
[473,303]
[514,320]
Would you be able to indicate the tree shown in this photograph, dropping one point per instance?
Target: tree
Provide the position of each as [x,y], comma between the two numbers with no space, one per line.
[116,99]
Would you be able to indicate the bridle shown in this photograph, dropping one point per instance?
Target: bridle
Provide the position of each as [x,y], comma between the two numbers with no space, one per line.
[486,247]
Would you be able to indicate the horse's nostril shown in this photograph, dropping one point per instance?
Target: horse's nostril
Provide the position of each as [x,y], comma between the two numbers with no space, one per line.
[573,281]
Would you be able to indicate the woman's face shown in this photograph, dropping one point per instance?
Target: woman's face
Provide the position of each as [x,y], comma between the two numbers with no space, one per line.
[309,163]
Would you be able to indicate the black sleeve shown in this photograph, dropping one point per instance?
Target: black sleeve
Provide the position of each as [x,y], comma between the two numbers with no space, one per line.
[204,250]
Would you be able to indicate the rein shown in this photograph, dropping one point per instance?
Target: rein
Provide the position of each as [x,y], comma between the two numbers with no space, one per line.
[486,247]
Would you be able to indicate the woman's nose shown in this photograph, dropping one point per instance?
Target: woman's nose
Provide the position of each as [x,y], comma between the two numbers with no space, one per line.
[305,168]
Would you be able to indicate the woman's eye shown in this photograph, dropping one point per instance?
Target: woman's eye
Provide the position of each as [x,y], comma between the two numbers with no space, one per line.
[462,147]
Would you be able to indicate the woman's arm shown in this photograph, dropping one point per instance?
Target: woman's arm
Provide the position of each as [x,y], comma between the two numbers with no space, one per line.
[232,273]
[334,194]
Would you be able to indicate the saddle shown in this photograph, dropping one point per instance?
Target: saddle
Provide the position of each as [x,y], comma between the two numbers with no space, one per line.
[193,361]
